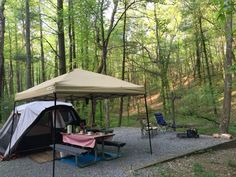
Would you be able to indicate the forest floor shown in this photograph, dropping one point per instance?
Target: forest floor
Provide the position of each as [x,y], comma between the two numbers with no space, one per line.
[215,163]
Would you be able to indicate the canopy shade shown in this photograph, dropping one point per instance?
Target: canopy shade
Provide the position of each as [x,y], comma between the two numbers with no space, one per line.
[82,84]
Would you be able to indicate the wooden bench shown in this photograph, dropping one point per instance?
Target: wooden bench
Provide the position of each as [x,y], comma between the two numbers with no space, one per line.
[76,151]
[114,144]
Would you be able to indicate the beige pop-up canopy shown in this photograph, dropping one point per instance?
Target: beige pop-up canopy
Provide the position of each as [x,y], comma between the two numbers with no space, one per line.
[81,84]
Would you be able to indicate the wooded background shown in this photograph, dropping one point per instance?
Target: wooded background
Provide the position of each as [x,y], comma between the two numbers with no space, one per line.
[177,48]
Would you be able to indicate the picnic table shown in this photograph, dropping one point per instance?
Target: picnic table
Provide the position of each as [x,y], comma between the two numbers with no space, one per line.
[87,140]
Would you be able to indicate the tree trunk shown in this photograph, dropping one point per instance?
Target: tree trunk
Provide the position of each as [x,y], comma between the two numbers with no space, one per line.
[28,45]
[56,61]
[207,66]
[93,113]
[86,45]
[123,65]
[11,85]
[158,46]
[102,68]
[61,37]
[2,31]
[73,40]
[225,117]
[101,114]
[160,60]
[70,6]
[17,69]
[107,117]
[105,40]
[43,76]
[198,57]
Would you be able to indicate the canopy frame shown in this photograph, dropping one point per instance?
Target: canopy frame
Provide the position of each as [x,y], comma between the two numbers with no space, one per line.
[53,94]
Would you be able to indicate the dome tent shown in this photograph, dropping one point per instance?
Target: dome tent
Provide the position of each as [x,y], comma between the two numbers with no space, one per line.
[31,128]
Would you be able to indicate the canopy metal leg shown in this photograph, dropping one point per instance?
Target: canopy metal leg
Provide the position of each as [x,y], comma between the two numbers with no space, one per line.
[149,135]
[54,134]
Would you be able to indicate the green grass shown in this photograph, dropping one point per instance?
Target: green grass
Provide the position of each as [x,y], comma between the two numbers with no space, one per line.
[200,171]
[203,126]
[232,128]
[165,173]
[232,164]
[128,122]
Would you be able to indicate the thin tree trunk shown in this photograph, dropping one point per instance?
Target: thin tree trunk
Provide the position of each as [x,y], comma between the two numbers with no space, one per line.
[158,46]
[180,70]
[158,60]
[18,85]
[56,61]
[61,37]
[32,71]
[73,40]
[11,85]
[207,67]
[2,31]
[123,65]
[70,35]
[86,45]
[223,57]
[102,68]
[225,117]
[101,113]
[28,45]
[93,113]
[107,117]
[43,75]
[198,57]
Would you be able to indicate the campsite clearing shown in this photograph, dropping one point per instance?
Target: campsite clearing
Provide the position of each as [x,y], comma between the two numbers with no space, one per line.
[134,155]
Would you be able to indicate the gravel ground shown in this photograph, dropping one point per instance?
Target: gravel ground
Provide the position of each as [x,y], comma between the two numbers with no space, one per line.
[134,155]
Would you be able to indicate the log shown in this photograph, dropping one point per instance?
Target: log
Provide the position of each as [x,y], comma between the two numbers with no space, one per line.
[226,136]
[223,135]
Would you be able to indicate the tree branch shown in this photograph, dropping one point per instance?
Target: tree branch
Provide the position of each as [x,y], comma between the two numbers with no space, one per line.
[112,27]
[145,69]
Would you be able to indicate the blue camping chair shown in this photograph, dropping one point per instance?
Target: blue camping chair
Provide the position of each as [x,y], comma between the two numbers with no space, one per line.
[161,123]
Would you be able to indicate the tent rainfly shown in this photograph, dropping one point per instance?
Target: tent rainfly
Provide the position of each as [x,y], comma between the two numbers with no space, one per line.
[82,84]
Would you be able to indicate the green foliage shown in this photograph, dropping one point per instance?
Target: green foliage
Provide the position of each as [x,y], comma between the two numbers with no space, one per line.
[198,98]
[232,128]
[6,106]
[233,68]
[174,32]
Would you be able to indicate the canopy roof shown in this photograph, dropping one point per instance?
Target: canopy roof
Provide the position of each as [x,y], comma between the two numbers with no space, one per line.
[81,84]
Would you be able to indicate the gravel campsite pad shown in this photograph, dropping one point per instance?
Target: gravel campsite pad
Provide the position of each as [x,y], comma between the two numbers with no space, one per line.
[135,154]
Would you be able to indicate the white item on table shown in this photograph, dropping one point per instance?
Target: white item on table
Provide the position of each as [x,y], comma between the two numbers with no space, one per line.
[69,129]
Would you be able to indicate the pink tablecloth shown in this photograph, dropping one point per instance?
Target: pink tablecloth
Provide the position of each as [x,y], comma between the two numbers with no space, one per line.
[84,140]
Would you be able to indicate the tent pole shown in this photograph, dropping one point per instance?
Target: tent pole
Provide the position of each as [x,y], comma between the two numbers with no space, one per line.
[54,134]
[149,136]
[12,127]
